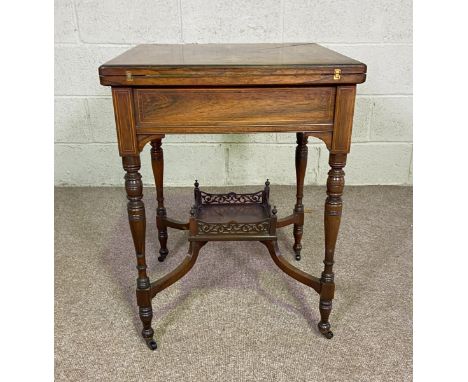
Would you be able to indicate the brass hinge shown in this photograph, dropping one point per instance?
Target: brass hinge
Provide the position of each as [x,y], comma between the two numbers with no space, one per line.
[337,75]
[129,75]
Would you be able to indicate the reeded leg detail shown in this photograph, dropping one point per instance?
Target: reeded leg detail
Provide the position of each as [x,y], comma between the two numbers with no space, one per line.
[332,218]
[137,221]
[157,162]
[301,164]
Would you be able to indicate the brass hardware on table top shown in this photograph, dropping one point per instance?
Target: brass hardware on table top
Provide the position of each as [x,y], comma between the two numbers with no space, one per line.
[129,75]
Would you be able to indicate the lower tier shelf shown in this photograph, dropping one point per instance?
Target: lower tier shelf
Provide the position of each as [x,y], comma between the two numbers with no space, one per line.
[232,216]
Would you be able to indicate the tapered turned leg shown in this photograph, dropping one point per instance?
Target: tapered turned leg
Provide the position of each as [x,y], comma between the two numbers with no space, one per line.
[157,162]
[137,220]
[301,164]
[332,218]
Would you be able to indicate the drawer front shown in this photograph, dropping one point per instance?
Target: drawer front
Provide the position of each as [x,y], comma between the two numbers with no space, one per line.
[234,110]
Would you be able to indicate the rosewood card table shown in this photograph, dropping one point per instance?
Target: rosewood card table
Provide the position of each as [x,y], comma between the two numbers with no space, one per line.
[242,89]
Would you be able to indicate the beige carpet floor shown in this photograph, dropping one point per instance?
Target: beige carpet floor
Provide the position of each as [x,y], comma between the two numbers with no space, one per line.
[235,316]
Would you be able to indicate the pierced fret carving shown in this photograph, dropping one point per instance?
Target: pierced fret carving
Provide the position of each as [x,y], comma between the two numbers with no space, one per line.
[231,198]
[233,228]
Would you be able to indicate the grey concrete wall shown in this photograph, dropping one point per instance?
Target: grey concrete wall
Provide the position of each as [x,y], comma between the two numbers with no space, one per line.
[377,32]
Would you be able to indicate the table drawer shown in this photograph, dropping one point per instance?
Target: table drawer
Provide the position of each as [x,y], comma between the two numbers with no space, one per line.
[229,109]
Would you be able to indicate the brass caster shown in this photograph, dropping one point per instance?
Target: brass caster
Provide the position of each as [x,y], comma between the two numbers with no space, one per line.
[151,343]
[298,255]
[162,255]
[324,328]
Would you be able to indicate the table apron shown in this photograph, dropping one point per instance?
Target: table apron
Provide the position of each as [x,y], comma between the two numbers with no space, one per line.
[238,109]
[143,114]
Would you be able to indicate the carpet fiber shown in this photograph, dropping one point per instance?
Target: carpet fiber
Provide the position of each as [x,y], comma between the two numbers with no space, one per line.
[235,316]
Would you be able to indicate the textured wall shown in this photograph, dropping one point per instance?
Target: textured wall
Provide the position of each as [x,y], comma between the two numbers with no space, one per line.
[377,32]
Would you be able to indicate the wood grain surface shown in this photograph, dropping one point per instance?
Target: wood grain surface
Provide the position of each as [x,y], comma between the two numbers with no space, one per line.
[230,64]
[174,110]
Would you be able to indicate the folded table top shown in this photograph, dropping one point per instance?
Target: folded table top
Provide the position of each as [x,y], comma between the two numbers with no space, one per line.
[230,64]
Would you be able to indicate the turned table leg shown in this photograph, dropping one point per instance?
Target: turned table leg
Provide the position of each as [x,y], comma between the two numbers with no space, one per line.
[157,162]
[301,164]
[137,220]
[332,218]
